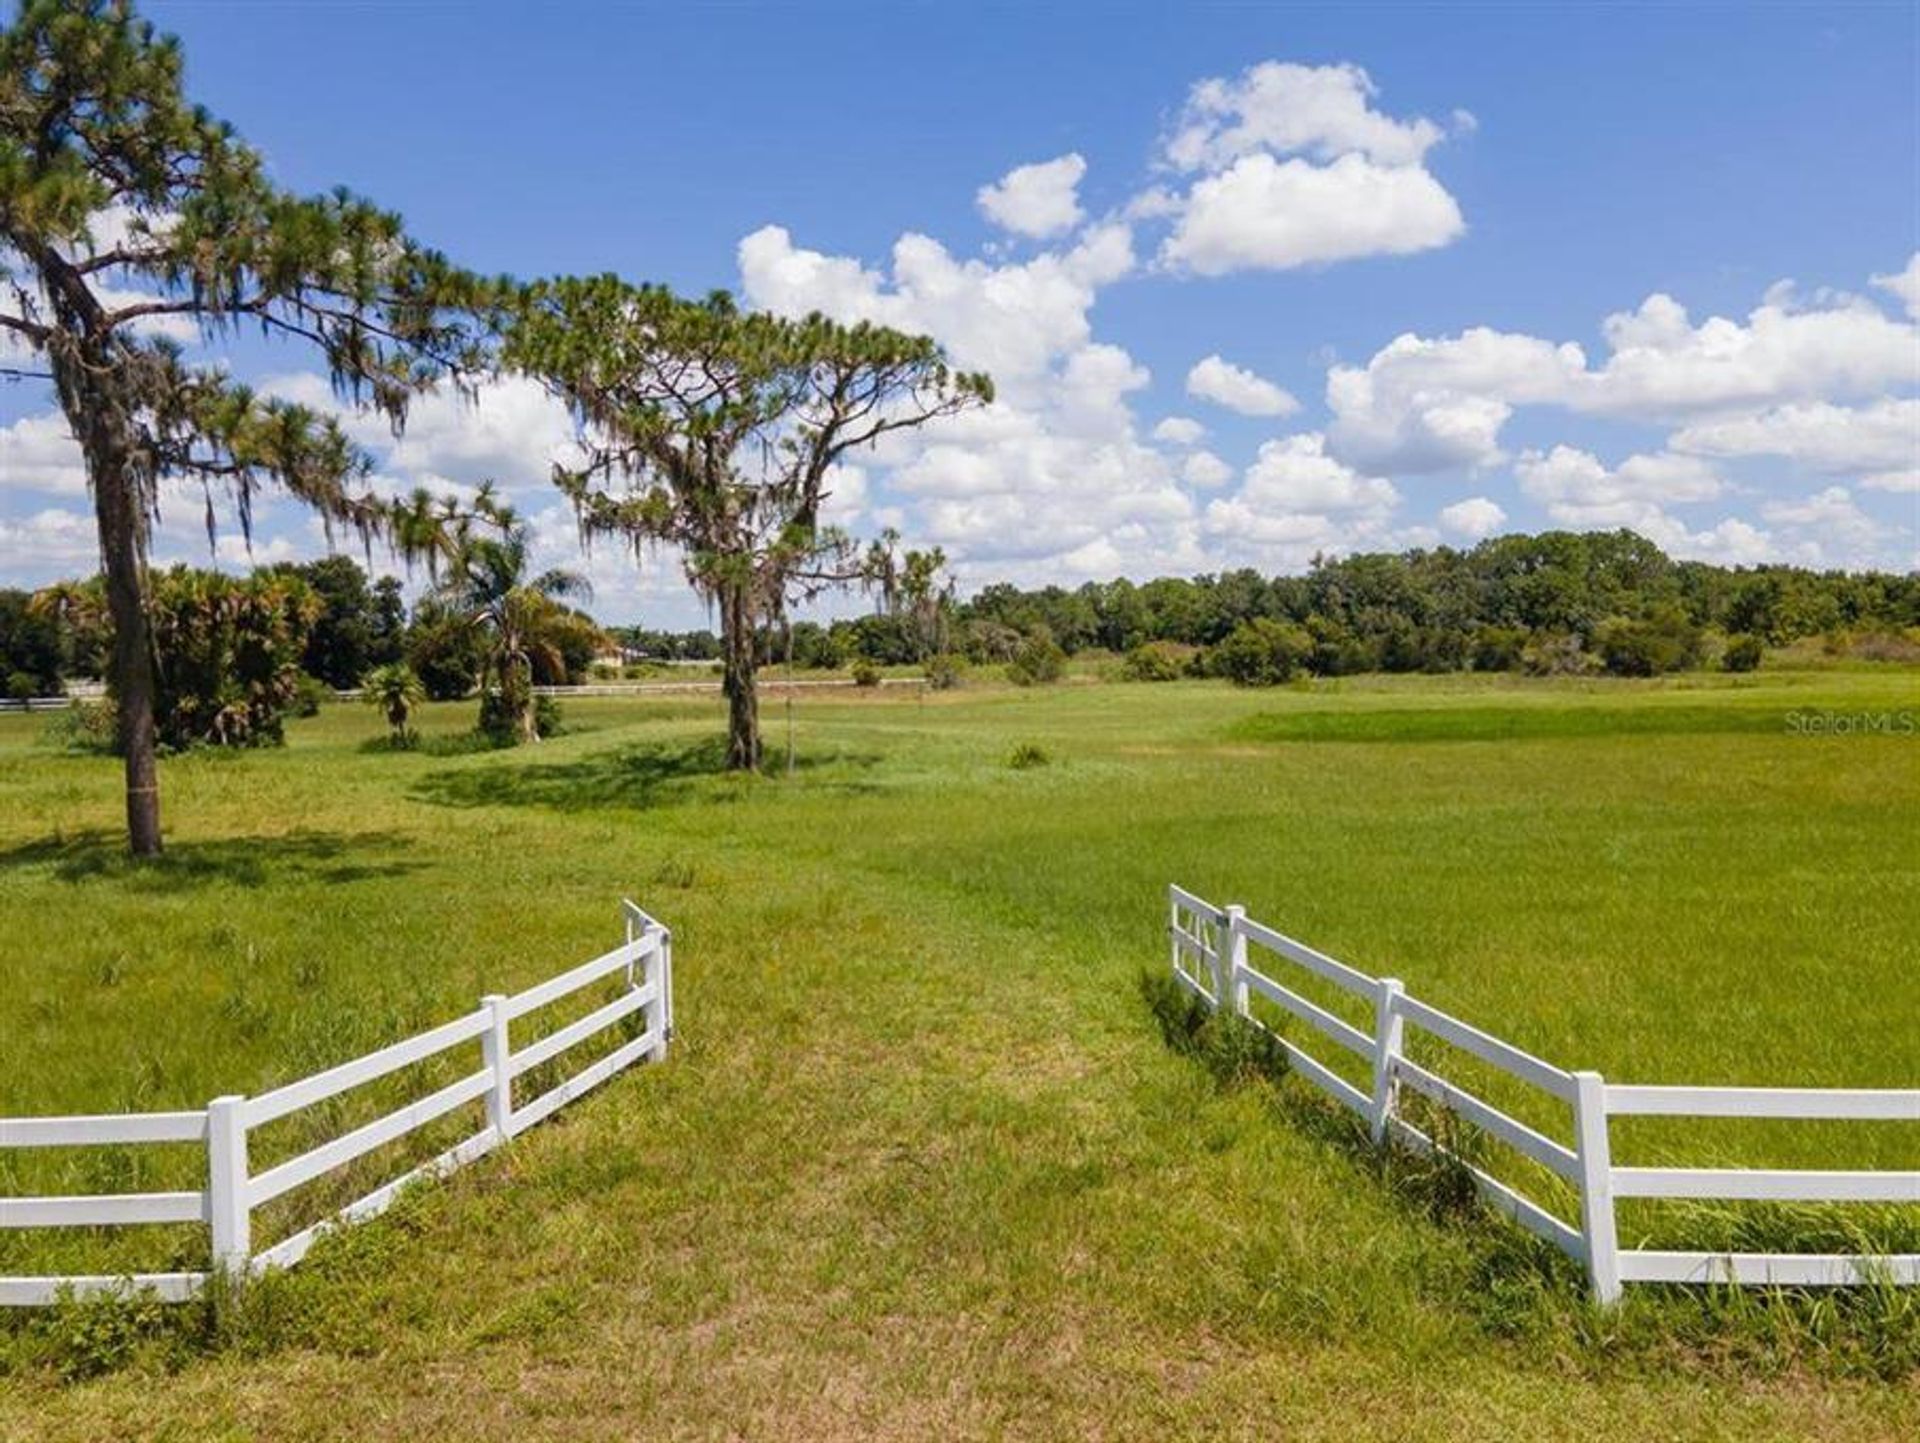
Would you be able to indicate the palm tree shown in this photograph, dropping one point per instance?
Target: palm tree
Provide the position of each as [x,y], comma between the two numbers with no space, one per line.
[396,691]
[486,581]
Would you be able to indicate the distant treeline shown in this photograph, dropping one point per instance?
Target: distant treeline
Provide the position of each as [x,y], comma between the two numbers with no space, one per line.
[1556,602]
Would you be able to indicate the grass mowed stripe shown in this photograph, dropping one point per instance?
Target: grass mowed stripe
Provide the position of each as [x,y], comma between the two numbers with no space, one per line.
[920,1164]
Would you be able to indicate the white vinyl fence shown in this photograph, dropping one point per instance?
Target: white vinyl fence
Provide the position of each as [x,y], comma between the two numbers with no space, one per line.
[1211,947]
[35,703]
[225,1205]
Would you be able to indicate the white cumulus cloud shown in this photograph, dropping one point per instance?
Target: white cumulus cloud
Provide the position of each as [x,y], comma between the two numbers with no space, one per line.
[1218,380]
[1425,404]
[1324,111]
[1295,473]
[1267,214]
[1582,493]
[510,432]
[1818,434]
[1904,283]
[46,545]
[1827,528]
[1473,518]
[1010,320]
[1204,471]
[38,453]
[1663,367]
[1052,479]
[1296,502]
[1294,165]
[1039,200]
[1578,490]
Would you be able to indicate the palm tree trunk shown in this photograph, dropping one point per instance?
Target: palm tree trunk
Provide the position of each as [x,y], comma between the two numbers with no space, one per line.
[528,708]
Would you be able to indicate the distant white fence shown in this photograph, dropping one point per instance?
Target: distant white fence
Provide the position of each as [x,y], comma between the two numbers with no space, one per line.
[232,1192]
[1210,949]
[767,683]
[75,691]
[36,703]
[702,687]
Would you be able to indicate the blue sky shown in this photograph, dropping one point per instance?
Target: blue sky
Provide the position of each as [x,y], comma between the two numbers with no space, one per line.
[1497,184]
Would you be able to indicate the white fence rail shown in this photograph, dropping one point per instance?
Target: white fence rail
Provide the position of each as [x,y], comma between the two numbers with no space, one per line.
[225,1205]
[1210,948]
[36,703]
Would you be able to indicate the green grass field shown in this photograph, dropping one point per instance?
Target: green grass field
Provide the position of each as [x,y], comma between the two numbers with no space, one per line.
[920,1164]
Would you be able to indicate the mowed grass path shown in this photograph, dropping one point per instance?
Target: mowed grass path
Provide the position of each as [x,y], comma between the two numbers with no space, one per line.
[919,1165]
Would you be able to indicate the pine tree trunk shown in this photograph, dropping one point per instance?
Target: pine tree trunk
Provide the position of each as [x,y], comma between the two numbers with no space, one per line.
[101,415]
[87,378]
[739,682]
[117,510]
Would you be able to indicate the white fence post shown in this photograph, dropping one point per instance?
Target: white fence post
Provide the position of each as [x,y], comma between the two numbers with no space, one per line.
[228,1212]
[1231,992]
[666,986]
[655,1013]
[497,1051]
[1597,1226]
[1389,1029]
[1173,932]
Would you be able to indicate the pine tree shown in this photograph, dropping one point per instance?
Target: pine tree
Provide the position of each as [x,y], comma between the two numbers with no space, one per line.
[715,431]
[127,212]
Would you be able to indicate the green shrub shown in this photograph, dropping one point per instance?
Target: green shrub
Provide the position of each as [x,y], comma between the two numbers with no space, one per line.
[1650,646]
[1154,661]
[1336,650]
[308,694]
[499,724]
[1497,648]
[84,726]
[87,1337]
[1556,654]
[229,650]
[1261,652]
[985,640]
[865,673]
[443,651]
[396,691]
[943,671]
[1038,662]
[1743,653]
[1878,643]
[1027,756]
[38,641]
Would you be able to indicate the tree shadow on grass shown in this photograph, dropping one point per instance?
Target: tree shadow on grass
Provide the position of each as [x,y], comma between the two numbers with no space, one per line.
[330,857]
[454,744]
[633,778]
